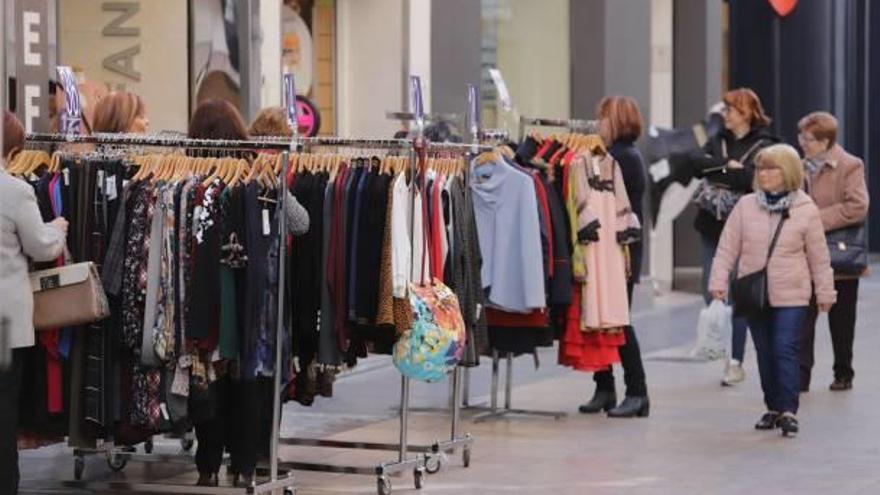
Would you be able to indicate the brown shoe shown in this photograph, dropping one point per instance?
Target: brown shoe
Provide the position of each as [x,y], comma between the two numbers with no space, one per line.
[840,385]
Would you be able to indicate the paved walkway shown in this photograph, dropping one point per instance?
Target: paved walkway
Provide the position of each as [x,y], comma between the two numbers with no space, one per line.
[698,440]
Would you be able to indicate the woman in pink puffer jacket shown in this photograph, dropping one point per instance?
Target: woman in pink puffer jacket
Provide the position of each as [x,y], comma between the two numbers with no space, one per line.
[799,262]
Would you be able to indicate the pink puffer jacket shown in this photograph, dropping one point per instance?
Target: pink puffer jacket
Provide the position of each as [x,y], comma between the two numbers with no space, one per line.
[799,262]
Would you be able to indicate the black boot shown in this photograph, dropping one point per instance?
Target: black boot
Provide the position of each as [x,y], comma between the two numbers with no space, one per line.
[243,480]
[603,400]
[631,407]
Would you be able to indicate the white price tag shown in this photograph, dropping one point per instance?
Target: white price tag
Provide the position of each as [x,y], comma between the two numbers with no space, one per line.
[66,174]
[110,188]
[267,228]
[100,181]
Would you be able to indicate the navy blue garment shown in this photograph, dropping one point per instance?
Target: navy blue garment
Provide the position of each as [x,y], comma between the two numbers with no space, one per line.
[777,335]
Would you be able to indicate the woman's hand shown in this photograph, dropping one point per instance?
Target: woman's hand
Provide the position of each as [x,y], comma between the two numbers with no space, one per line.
[824,307]
[720,295]
[61,224]
[734,164]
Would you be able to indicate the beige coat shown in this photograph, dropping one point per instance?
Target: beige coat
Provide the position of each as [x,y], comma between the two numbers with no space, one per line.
[22,233]
[799,261]
[838,188]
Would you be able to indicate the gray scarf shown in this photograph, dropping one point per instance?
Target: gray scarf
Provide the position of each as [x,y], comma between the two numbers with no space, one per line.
[778,206]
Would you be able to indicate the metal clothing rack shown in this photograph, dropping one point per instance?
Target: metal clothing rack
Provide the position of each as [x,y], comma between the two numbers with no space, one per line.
[118,457]
[574,125]
[403,463]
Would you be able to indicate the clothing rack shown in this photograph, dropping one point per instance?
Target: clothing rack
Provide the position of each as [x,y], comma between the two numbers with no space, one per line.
[116,457]
[492,411]
[581,125]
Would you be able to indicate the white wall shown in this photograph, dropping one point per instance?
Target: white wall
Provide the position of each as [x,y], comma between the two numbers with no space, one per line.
[370,67]
[534,57]
[420,46]
[270,53]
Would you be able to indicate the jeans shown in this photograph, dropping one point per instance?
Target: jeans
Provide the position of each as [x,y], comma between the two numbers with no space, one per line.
[10,383]
[777,336]
[630,360]
[740,325]
[842,323]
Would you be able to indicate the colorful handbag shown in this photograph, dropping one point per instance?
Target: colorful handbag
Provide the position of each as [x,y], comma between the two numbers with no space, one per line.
[436,343]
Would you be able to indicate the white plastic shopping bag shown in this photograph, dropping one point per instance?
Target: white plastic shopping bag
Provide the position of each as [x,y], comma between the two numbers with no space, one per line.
[714,329]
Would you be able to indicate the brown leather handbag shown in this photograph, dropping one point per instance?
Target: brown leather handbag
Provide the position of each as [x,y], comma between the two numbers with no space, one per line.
[68,296]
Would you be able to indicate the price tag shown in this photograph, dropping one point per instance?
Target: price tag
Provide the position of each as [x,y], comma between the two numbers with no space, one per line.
[267,227]
[66,174]
[501,87]
[110,188]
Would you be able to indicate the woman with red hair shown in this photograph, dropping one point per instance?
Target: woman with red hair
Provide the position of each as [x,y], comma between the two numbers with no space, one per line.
[728,171]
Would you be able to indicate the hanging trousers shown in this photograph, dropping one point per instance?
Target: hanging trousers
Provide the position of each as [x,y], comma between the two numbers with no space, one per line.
[233,427]
[630,359]
[842,323]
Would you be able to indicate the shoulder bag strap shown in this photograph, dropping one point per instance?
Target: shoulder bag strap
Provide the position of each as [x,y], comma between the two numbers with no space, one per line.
[776,235]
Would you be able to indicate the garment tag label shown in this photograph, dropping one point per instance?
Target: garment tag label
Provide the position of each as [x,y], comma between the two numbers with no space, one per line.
[267,228]
[110,188]
[66,174]
[101,185]
[164,410]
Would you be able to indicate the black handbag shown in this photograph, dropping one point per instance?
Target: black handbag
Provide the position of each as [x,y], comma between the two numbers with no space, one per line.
[749,292]
[848,247]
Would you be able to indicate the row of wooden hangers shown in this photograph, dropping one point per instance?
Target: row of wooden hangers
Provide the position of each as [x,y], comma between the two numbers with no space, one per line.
[496,155]
[330,163]
[575,141]
[27,162]
[447,165]
[232,171]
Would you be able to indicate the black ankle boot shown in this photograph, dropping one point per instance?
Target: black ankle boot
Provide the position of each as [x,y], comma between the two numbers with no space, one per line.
[603,400]
[631,407]
[768,421]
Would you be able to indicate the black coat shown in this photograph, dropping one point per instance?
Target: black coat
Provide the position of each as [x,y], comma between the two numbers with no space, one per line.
[632,167]
[711,165]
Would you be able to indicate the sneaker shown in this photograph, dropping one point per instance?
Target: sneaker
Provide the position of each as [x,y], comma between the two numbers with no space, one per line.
[768,421]
[733,374]
[788,424]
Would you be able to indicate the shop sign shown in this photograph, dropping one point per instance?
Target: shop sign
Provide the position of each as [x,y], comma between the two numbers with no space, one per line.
[31,63]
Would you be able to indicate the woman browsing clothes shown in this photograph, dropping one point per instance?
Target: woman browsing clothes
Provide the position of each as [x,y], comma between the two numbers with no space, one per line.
[777,228]
[727,167]
[835,180]
[23,237]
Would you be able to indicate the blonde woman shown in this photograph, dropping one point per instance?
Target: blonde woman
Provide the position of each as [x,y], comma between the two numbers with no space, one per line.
[799,261]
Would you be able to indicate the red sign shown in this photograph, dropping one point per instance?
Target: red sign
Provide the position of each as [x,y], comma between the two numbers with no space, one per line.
[783,7]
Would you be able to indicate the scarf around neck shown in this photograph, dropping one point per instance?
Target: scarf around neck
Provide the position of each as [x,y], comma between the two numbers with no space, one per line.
[775,203]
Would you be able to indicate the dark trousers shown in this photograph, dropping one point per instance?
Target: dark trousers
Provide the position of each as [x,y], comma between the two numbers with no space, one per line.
[842,323]
[630,359]
[233,427]
[777,336]
[10,383]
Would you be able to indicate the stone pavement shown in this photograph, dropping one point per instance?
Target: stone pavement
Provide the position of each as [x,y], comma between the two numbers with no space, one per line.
[698,440]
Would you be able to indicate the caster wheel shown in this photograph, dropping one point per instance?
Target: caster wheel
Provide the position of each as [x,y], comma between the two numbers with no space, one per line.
[383,485]
[148,446]
[466,457]
[116,462]
[79,465]
[187,444]
[419,477]
[433,463]
[289,491]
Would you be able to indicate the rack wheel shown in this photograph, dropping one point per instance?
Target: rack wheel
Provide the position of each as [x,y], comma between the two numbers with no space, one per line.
[466,457]
[148,446]
[289,491]
[79,465]
[116,462]
[433,463]
[419,477]
[187,444]
[383,485]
